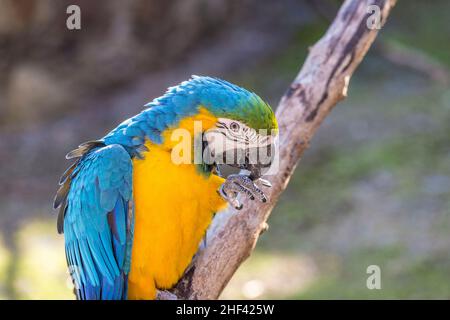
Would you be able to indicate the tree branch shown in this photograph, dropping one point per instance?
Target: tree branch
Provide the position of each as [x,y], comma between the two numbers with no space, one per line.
[321,83]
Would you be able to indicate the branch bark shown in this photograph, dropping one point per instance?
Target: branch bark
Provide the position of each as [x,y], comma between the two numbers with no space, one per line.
[321,83]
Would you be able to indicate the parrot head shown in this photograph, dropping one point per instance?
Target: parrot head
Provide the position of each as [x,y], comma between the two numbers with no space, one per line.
[245,124]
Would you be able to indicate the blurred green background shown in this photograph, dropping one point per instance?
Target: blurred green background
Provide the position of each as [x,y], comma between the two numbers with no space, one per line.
[373,189]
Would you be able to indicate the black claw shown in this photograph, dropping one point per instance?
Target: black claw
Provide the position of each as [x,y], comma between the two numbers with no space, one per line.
[240,207]
[264,200]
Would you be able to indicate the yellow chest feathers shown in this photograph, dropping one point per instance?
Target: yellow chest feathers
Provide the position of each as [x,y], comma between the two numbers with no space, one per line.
[174,205]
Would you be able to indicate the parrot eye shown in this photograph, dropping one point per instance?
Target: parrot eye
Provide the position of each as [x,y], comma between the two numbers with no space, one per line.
[234,127]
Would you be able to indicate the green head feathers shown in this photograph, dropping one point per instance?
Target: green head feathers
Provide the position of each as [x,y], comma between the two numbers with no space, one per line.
[223,99]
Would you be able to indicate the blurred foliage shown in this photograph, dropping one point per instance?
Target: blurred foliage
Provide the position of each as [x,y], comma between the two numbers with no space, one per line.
[374,188]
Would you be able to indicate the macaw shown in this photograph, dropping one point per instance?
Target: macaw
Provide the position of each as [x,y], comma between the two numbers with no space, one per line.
[132,218]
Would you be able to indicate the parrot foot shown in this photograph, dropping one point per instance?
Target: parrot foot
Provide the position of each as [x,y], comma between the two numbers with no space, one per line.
[238,183]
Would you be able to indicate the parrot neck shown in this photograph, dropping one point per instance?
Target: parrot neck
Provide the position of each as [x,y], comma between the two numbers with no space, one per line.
[150,124]
[159,125]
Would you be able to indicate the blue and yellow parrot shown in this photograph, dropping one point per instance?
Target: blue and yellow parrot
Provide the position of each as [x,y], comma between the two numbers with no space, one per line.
[133,218]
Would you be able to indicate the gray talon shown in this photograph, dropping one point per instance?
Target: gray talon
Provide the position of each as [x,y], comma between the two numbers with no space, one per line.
[236,204]
[238,183]
[230,195]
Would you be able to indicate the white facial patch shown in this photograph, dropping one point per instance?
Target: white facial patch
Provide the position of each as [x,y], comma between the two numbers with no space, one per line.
[231,136]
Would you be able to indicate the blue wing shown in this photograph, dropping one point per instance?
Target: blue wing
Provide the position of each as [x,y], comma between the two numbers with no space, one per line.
[95,198]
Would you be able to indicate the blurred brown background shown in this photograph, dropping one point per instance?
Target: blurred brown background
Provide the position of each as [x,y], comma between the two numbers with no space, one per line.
[373,188]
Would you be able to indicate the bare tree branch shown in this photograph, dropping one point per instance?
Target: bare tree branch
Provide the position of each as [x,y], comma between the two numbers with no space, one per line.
[321,83]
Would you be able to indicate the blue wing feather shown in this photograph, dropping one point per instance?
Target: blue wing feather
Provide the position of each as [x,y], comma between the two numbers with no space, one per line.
[96,225]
